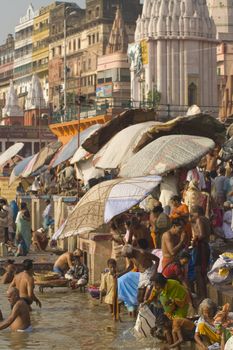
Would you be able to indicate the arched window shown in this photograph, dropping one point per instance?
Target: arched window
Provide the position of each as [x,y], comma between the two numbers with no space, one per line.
[97,11]
[192,94]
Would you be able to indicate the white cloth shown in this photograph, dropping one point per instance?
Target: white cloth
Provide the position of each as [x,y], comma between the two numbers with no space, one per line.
[27,330]
[144,278]
[196,174]
[229,344]
[18,217]
[227,224]
[159,254]
[145,322]
[168,188]
[47,211]
[35,185]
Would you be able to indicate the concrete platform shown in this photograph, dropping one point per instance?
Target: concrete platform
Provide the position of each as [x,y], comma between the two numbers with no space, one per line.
[221,294]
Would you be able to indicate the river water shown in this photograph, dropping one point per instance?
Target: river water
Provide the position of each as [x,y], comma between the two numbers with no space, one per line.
[71,320]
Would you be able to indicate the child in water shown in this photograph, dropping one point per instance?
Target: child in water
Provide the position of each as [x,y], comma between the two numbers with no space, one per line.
[108,284]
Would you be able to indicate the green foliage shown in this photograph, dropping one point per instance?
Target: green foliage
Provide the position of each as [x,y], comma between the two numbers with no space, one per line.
[153,98]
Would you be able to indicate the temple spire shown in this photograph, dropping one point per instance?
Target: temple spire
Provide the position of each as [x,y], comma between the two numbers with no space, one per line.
[12,108]
[118,40]
[35,98]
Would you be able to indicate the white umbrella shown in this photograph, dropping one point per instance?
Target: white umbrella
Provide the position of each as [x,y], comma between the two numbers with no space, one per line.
[86,171]
[120,148]
[10,152]
[80,152]
[106,200]
[28,170]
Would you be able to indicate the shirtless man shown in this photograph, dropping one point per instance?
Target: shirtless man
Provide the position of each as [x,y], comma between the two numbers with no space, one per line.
[19,318]
[143,259]
[139,231]
[24,282]
[201,230]
[173,241]
[64,263]
[9,274]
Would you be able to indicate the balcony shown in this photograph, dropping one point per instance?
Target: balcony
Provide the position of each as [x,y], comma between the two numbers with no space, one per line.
[41,29]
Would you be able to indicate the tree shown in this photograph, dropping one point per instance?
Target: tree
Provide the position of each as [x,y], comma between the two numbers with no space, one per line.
[153,98]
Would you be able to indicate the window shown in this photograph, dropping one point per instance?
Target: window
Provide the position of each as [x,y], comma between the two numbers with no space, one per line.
[59,50]
[124,75]
[89,40]
[74,44]
[89,63]
[89,14]
[93,39]
[79,44]
[69,45]
[192,94]
[97,11]
[97,37]
[53,52]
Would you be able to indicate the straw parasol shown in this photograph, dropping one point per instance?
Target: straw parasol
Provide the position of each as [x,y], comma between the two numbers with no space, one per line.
[106,200]
[166,154]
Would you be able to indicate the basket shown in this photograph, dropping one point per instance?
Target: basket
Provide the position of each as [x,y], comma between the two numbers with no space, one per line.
[46,276]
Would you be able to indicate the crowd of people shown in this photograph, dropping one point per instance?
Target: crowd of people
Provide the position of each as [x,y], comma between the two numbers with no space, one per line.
[168,254]
[160,258]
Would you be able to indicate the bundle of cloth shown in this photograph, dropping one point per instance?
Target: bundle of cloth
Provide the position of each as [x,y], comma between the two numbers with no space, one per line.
[222,270]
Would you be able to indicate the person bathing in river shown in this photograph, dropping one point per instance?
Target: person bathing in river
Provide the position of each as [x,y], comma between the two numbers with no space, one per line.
[9,272]
[24,282]
[64,263]
[143,260]
[19,318]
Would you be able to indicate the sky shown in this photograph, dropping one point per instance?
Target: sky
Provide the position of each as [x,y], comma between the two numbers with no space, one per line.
[12,10]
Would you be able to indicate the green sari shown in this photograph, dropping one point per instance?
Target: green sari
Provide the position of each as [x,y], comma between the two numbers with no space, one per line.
[177,293]
[24,229]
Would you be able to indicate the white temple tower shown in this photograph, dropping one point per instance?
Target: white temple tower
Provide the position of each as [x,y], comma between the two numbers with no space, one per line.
[175,54]
[35,104]
[12,114]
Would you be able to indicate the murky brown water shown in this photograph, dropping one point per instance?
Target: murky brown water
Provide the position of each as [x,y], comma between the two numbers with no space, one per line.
[71,320]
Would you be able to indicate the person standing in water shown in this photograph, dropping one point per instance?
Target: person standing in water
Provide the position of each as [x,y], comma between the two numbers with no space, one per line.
[24,282]
[19,318]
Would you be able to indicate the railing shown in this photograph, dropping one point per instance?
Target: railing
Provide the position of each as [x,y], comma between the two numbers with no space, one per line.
[165,111]
[40,30]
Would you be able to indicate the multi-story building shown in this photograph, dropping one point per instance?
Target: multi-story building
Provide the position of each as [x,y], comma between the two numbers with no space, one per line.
[40,40]
[174,57]
[23,55]
[222,13]
[113,71]
[66,16]
[6,67]
[87,40]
